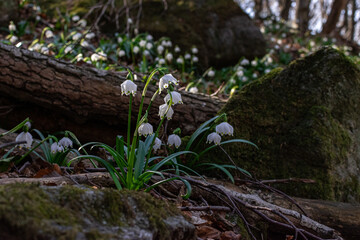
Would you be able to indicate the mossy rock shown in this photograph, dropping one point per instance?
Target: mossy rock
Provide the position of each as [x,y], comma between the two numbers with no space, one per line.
[33,212]
[305,120]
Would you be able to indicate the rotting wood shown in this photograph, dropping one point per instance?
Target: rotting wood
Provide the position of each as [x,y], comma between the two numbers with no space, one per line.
[59,95]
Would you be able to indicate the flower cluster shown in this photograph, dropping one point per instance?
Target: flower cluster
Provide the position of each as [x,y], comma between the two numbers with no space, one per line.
[61,146]
[222,129]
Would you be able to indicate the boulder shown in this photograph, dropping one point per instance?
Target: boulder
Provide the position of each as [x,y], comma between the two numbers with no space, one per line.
[221,30]
[305,119]
[34,212]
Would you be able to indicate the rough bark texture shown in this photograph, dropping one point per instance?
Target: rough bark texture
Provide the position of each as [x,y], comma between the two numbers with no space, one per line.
[58,95]
[302,15]
[337,7]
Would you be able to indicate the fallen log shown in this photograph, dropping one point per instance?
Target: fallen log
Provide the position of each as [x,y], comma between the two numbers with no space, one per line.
[59,95]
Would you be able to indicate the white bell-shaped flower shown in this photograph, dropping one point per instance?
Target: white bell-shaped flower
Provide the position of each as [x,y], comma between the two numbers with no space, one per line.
[180,60]
[213,137]
[145,129]
[136,49]
[175,140]
[142,43]
[149,46]
[187,56]
[224,129]
[169,57]
[163,110]
[194,90]
[176,98]
[49,34]
[76,36]
[121,53]
[166,80]
[160,49]
[24,136]
[65,142]
[128,87]
[195,59]
[55,147]
[12,27]
[211,73]
[157,144]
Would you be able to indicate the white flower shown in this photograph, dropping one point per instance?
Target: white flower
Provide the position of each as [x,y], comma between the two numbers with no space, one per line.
[163,110]
[194,90]
[44,50]
[146,53]
[129,21]
[119,39]
[82,23]
[65,142]
[55,147]
[79,57]
[67,49]
[76,36]
[267,71]
[142,43]
[149,46]
[253,63]
[166,80]
[12,27]
[224,129]
[28,125]
[128,87]
[174,139]
[84,44]
[75,18]
[169,57]
[160,49]
[180,60]
[161,61]
[163,43]
[145,129]
[240,73]
[136,31]
[36,47]
[157,144]
[195,59]
[168,43]
[194,50]
[187,56]
[96,57]
[254,75]
[24,136]
[136,49]
[213,137]
[149,37]
[90,35]
[244,79]
[176,98]
[177,49]
[13,39]
[121,53]
[49,34]
[244,62]
[211,73]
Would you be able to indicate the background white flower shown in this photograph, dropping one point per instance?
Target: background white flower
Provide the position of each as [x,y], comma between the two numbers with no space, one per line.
[121,53]
[194,90]
[213,137]
[224,128]
[128,87]
[145,129]
[211,73]
[175,140]
[49,34]
[136,49]
[55,147]
[65,142]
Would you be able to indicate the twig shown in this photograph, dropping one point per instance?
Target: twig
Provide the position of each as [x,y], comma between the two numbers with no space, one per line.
[302,180]
[206,208]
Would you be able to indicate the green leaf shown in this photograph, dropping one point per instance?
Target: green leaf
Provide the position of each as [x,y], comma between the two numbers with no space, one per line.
[220,167]
[229,141]
[14,129]
[165,160]
[140,160]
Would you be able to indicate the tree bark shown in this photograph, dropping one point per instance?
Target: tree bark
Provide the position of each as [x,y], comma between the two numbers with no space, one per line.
[333,18]
[58,95]
[302,15]
[258,8]
[285,6]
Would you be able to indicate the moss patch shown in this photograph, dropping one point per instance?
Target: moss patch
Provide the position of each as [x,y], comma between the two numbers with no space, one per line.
[69,212]
[304,120]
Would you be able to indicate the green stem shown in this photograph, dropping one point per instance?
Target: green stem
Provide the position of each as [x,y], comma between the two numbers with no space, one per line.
[26,154]
[129,126]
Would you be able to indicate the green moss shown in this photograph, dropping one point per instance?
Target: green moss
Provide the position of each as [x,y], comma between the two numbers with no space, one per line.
[65,212]
[303,119]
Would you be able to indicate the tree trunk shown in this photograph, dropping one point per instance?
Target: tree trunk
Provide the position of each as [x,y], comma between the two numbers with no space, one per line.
[333,18]
[285,6]
[258,8]
[58,95]
[352,21]
[302,15]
